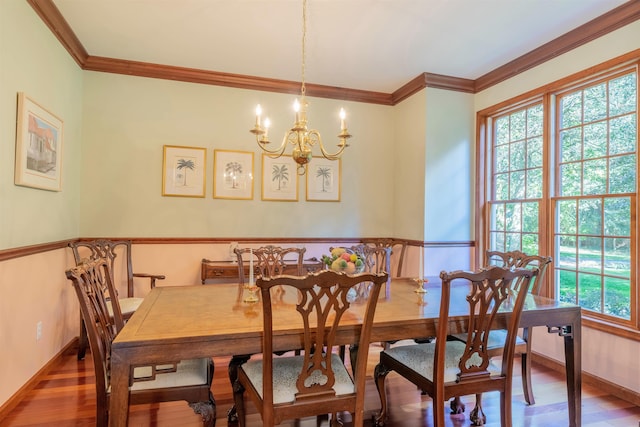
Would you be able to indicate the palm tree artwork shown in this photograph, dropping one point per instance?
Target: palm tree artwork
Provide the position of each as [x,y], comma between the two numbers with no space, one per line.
[182,167]
[280,174]
[233,170]
[325,175]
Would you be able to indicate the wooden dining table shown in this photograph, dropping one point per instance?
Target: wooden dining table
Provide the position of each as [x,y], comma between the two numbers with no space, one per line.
[184,322]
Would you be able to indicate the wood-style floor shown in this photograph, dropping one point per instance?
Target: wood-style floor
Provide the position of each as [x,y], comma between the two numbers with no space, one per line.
[66,397]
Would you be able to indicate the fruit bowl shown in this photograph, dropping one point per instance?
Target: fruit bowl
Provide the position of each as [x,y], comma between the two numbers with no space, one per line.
[346,260]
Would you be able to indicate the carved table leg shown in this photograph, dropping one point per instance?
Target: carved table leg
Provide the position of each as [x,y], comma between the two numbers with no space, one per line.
[379,375]
[236,361]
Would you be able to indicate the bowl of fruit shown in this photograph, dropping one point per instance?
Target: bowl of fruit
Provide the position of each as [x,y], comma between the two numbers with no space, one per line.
[342,259]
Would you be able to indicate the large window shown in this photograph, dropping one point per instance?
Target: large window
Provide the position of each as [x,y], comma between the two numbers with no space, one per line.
[560,174]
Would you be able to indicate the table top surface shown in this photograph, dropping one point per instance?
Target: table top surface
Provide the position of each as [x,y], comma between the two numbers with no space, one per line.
[184,313]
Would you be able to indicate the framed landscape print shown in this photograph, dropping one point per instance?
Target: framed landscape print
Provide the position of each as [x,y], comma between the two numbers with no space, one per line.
[184,171]
[232,174]
[279,178]
[323,180]
[38,146]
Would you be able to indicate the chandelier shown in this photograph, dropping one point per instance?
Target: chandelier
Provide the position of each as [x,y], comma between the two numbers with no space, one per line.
[299,136]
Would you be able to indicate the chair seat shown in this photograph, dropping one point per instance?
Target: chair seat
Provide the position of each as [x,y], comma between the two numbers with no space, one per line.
[285,374]
[127,305]
[191,372]
[421,357]
[497,338]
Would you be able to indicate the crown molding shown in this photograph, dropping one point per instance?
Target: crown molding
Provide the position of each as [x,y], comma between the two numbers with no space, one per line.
[614,19]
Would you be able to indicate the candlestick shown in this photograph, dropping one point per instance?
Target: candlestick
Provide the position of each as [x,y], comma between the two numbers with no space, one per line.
[251,268]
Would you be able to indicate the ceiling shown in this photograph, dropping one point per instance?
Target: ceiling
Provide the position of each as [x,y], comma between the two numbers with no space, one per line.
[372,45]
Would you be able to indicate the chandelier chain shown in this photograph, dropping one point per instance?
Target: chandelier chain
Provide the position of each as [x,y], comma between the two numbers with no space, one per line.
[304,42]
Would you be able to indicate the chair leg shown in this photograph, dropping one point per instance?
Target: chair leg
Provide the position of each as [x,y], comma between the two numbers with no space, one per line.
[207,410]
[379,374]
[456,405]
[83,340]
[477,416]
[238,400]
[526,379]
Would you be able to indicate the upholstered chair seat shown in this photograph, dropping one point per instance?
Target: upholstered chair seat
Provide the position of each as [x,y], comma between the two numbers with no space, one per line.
[185,373]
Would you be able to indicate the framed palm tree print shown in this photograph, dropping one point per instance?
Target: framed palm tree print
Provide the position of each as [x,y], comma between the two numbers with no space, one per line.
[279,178]
[232,174]
[184,171]
[323,180]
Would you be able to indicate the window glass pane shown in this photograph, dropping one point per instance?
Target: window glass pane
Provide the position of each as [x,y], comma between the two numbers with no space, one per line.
[513,217]
[513,242]
[622,175]
[595,140]
[502,186]
[595,103]
[534,121]
[590,291]
[595,177]
[530,217]
[570,179]
[502,158]
[617,257]
[516,190]
[566,286]
[617,297]
[534,153]
[622,95]
[590,216]
[571,145]
[497,216]
[502,130]
[617,216]
[571,110]
[530,244]
[497,241]
[566,252]
[589,255]
[534,183]
[623,135]
[517,155]
[518,126]
[568,217]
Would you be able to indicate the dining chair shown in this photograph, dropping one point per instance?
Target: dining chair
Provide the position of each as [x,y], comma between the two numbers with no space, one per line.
[174,380]
[269,261]
[449,368]
[316,382]
[514,259]
[396,246]
[118,254]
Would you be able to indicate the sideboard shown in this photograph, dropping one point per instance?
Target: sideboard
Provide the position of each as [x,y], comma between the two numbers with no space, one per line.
[215,270]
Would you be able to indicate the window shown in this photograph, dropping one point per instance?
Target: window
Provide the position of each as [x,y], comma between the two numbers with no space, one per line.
[560,179]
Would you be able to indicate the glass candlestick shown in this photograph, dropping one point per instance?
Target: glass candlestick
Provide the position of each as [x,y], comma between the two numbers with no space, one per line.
[253,293]
[420,281]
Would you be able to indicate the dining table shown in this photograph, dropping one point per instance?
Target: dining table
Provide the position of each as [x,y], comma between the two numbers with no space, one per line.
[184,322]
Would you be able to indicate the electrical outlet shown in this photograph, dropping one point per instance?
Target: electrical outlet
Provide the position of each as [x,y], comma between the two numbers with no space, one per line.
[39,331]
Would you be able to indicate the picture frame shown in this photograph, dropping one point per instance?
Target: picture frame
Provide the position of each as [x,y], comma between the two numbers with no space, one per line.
[279,178]
[184,171]
[323,180]
[39,137]
[232,174]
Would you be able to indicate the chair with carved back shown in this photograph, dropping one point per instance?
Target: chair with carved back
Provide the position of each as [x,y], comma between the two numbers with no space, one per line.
[448,368]
[268,261]
[397,247]
[514,259]
[118,254]
[188,380]
[316,382]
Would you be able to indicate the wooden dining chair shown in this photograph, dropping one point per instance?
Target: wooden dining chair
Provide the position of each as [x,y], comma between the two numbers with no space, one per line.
[397,247]
[448,368]
[118,254]
[316,382]
[514,259]
[174,380]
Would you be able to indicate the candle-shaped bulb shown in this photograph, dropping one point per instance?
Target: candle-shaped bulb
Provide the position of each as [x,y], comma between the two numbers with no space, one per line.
[267,125]
[258,113]
[343,115]
[296,108]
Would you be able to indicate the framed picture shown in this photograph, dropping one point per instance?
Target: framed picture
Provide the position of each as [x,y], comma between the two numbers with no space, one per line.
[38,146]
[184,171]
[323,180]
[232,174]
[279,178]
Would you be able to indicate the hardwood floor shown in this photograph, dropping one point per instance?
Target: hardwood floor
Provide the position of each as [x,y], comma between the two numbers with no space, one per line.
[66,397]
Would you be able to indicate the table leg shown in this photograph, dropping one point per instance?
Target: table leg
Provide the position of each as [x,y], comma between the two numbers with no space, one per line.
[236,361]
[573,366]
[119,399]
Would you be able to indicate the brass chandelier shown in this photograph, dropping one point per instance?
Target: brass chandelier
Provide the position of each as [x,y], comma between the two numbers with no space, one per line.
[302,138]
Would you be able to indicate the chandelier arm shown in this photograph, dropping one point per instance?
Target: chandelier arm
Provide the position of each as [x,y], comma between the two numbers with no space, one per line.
[329,156]
[276,152]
